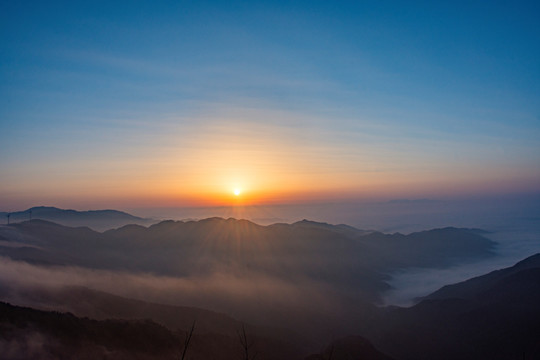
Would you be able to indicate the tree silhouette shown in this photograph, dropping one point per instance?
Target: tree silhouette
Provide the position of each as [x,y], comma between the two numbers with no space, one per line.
[247,344]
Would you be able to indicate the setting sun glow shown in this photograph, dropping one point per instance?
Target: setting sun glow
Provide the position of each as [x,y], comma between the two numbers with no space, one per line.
[237,192]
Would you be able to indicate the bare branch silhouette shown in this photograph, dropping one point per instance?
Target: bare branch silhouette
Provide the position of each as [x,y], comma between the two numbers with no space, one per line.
[189,334]
[247,344]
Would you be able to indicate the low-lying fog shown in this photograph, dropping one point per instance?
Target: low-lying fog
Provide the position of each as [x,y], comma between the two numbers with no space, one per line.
[515,242]
[513,222]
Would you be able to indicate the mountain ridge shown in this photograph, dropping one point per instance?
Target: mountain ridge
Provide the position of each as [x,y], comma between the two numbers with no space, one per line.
[99,220]
[495,317]
[468,289]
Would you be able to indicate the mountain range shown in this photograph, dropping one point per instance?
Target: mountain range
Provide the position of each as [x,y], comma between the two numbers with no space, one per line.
[301,288]
[99,220]
[341,257]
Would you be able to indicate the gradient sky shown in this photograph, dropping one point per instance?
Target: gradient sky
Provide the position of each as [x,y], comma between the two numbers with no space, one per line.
[146,103]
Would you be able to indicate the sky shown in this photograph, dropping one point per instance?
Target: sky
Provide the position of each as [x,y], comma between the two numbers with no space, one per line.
[177,103]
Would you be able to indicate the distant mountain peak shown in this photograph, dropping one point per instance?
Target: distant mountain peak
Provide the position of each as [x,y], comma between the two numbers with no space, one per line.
[44,208]
[413,201]
[311,222]
[100,220]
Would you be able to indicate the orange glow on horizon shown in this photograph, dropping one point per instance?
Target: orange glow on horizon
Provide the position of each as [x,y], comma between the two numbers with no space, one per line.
[237,163]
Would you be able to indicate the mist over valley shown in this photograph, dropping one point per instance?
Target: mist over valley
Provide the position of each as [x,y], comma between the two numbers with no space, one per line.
[269,180]
[306,282]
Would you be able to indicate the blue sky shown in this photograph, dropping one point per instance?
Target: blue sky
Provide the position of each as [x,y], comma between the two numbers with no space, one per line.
[422,90]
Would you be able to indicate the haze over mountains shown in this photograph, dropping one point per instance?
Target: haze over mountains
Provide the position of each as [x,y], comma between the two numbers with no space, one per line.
[99,220]
[341,257]
[298,180]
[301,288]
[498,318]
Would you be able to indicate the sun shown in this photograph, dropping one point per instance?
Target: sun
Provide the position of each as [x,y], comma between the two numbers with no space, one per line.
[237,191]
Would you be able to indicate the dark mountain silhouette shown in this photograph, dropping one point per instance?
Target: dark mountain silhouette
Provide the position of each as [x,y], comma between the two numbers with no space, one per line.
[474,288]
[495,316]
[308,277]
[100,220]
[28,333]
[99,305]
[499,318]
[413,201]
[32,334]
[341,256]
